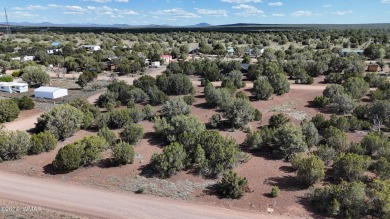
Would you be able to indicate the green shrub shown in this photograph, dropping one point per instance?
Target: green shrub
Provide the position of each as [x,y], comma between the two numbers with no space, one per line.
[350,167]
[132,133]
[321,101]
[6,78]
[9,111]
[68,158]
[254,140]
[25,103]
[275,191]
[123,153]
[278,120]
[149,112]
[108,135]
[42,142]
[310,170]
[215,120]
[232,186]
[170,161]
[189,99]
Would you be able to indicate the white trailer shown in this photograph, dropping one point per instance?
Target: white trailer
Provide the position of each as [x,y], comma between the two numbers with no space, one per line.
[13,87]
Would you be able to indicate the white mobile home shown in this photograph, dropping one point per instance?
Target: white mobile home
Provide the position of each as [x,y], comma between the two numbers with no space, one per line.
[28,58]
[91,47]
[13,87]
[50,92]
[155,64]
[52,51]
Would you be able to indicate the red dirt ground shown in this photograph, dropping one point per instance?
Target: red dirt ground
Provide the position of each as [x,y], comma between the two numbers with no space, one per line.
[261,171]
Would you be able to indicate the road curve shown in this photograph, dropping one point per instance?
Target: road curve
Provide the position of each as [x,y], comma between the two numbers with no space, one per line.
[96,203]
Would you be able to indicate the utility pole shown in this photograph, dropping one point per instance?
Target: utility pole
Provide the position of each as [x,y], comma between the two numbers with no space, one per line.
[6,18]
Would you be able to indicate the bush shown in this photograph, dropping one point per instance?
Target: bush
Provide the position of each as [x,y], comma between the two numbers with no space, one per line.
[310,132]
[257,115]
[92,147]
[356,87]
[132,133]
[17,73]
[382,168]
[350,167]
[321,101]
[42,142]
[275,191]
[137,95]
[156,96]
[25,103]
[189,99]
[13,144]
[310,170]
[277,120]
[336,139]
[232,186]
[9,111]
[108,135]
[149,112]
[289,140]
[130,105]
[136,114]
[262,89]
[62,121]
[242,95]
[279,83]
[145,82]
[334,78]
[215,120]
[6,78]
[175,84]
[170,161]
[347,200]
[123,153]
[174,107]
[326,153]
[238,113]
[254,140]
[35,76]
[68,158]
[119,118]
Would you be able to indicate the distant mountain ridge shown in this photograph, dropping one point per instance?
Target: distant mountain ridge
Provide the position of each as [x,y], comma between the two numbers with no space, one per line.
[48,24]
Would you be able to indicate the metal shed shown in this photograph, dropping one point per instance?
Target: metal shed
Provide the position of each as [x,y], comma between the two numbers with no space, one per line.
[50,92]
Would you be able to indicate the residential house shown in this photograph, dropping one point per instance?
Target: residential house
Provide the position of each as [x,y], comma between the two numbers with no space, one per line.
[167,58]
[345,52]
[91,48]
[13,87]
[52,51]
[230,50]
[28,58]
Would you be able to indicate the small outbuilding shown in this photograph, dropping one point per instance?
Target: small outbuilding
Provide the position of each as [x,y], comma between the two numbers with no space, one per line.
[373,68]
[155,64]
[50,92]
[13,87]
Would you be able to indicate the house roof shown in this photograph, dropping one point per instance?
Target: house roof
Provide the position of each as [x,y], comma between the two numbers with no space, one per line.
[48,89]
[13,84]
[352,50]
[56,43]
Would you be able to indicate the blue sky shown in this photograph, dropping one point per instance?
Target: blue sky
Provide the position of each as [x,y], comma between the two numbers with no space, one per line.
[185,12]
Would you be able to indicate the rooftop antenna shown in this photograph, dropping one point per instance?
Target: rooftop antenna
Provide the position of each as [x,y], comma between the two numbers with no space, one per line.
[6,18]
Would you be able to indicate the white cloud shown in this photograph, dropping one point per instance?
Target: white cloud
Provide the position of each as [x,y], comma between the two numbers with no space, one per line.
[242,1]
[385,1]
[74,9]
[328,6]
[178,13]
[211,12]
[301,13]
[122,1]
[248,10]
[53,6]
[342,12]
[275,3]
[98,1]
[278,15]
[30,8]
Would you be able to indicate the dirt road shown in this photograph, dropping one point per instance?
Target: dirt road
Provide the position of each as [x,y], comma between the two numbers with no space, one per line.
[97,203]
